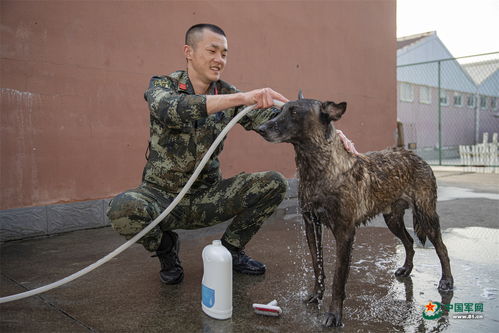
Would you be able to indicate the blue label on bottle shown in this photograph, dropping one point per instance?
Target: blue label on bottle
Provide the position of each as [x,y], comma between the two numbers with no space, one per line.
[208,296]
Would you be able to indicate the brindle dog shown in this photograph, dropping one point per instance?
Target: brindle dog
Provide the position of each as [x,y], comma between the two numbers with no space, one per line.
[341,191]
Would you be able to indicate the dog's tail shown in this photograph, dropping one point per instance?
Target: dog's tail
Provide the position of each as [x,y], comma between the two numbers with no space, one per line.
[425,218]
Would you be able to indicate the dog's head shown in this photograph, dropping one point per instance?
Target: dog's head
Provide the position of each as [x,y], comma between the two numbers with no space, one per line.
[302,119]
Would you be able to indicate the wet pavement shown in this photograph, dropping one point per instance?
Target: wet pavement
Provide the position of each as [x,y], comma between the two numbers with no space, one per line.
[125,295]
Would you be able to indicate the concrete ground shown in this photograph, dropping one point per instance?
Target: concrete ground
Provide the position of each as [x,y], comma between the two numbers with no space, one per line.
[125,295]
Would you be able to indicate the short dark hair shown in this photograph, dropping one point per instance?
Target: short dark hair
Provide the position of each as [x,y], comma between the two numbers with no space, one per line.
[190,35]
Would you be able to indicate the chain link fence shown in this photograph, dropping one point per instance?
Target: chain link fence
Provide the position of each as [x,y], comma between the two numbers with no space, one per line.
[448,110]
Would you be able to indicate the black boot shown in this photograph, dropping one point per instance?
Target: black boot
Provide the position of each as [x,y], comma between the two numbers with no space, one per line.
[241,263]
[167,253]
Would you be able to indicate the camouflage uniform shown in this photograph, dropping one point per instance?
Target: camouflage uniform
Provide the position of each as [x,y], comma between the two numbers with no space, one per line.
[181,132]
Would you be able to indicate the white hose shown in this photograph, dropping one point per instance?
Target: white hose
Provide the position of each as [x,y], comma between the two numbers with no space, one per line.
[160,218]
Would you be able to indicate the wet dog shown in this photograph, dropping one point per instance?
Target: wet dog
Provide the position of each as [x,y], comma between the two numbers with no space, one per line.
[341,191]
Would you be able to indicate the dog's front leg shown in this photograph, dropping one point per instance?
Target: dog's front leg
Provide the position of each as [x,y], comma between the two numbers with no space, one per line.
[344,233]
[313,230]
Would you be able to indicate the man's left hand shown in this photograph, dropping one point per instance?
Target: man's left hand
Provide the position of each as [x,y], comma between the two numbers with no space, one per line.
[349,146]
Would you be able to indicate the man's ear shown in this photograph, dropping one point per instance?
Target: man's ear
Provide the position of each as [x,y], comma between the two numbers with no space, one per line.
[333,111]
[188,52]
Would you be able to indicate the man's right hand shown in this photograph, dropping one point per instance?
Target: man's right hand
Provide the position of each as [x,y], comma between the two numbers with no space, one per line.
[263,98]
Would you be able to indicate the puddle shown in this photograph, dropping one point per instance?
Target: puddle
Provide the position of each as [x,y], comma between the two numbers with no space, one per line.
[446,193]
[475,244]
[473,252]
[379,301]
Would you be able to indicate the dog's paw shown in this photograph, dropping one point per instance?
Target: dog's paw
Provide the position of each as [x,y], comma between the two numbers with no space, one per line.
[446,284]
[332,320]
[403,271]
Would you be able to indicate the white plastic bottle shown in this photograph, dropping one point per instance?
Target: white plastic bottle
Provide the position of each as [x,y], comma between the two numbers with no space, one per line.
[216,288]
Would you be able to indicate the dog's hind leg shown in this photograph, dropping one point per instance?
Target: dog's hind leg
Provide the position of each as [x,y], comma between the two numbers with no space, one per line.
[395,222]
[427,224]
[344,233]
[313,230]
[434,235]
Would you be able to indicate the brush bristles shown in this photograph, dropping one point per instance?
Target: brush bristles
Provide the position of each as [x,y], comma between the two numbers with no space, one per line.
[267,310]
[267,313]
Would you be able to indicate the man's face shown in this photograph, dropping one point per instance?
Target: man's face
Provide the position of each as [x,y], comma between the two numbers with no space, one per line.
[208,56]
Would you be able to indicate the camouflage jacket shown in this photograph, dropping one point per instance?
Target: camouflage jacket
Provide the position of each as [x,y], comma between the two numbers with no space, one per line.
[181,131]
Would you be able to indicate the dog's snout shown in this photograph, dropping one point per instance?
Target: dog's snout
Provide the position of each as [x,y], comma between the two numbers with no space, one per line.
[262,129]
[270,131]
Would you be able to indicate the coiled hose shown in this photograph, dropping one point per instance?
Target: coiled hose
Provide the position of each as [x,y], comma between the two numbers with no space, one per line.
[144,231]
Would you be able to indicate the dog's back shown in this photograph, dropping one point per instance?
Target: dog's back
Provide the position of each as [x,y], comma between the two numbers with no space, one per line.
[396,172]
[379,179]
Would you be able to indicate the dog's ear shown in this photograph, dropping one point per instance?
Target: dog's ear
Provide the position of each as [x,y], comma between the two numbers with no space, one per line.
[333,111]
[300,94]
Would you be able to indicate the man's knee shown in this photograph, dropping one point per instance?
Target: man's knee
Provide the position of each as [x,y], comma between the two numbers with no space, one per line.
[269,188]
[277,183]
[128,214]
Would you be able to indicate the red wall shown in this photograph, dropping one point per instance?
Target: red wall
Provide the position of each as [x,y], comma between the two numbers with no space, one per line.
[74,124]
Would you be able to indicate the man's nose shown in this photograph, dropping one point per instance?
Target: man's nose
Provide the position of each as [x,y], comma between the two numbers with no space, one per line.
[219,59]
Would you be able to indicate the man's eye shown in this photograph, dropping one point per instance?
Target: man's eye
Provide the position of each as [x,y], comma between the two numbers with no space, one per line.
[211,51]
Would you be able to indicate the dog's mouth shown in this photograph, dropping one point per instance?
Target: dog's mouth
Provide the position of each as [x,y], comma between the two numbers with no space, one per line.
[270,131]
[262,130]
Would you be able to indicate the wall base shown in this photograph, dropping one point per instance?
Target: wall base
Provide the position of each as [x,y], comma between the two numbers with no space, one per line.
[20,223]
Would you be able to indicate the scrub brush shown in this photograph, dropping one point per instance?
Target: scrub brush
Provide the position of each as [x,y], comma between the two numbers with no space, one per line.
[270,309]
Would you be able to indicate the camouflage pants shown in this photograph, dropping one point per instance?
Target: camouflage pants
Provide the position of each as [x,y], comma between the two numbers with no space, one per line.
[249,198]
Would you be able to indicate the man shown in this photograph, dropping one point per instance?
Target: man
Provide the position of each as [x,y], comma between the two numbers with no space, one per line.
[188,109]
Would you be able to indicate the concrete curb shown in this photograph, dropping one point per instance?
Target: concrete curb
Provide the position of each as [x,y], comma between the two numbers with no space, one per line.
[20,223]
[473,169]
[27,222]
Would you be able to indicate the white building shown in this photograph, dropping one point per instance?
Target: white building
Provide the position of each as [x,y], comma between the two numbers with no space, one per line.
[468,95]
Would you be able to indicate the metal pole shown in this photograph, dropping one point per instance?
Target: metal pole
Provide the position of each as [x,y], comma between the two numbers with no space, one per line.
[477,118]
[439,119]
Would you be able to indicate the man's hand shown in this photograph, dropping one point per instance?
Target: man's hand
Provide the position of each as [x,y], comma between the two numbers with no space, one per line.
[263,98]
[349,146]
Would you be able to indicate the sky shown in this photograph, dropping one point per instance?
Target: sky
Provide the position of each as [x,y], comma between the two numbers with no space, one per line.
[466,27]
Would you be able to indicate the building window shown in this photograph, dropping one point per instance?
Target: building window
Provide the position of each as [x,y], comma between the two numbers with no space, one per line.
[471,101]
[406,92]
[443,97]
[483,102]
[493,103]
[458,100]
[425,95]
